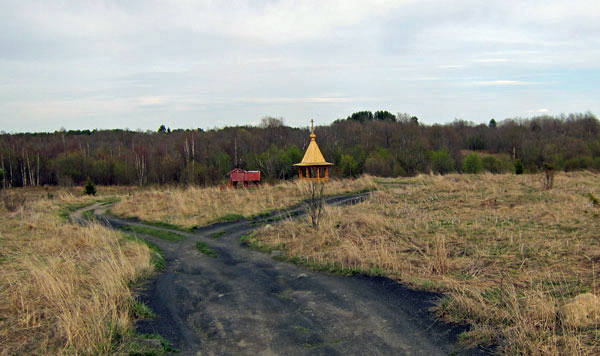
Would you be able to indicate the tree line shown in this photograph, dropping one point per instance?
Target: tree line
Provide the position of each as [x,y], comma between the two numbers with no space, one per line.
[377,143]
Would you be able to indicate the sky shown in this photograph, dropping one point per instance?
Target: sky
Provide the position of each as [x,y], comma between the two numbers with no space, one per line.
[209,64]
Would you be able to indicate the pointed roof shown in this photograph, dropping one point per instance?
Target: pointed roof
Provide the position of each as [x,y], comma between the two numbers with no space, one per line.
[313,155]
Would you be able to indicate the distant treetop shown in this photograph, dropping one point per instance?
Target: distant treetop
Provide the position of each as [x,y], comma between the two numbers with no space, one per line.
[380,115]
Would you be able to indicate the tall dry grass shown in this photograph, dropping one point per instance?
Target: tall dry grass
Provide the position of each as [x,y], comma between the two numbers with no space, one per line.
[507,253]
[63,287]
[192,206]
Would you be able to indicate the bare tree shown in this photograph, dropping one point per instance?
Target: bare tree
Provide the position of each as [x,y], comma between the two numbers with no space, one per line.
[270,121]
[549,169]
[314,202]
[140,166]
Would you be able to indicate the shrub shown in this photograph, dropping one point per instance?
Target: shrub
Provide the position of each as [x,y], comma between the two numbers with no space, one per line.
[579,163]
[348,166]
[13,201]
[596,163]
[90,188]
[472,164]
[441,162]
[381,163]
[519,167]
[492,164]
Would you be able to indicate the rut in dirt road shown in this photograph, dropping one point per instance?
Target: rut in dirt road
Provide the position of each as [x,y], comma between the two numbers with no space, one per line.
[243,302]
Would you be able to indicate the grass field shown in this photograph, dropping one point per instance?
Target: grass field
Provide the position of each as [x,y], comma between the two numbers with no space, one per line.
[508,255]
[64,288]
[194,206]
[67,289]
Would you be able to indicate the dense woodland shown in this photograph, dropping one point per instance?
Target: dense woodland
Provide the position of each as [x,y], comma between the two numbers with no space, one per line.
[377,143]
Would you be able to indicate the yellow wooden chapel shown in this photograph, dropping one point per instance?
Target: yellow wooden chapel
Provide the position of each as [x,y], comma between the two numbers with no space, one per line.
[313,166]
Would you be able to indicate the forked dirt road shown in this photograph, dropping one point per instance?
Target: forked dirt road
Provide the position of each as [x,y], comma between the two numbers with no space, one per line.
[244,302]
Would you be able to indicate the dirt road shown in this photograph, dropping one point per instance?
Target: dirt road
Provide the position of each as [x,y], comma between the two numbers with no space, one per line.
[243,302]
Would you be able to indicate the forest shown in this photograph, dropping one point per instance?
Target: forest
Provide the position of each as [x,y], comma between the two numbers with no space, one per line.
[379,143]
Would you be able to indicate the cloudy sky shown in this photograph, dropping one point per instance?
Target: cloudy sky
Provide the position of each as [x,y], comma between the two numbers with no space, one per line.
[187,64]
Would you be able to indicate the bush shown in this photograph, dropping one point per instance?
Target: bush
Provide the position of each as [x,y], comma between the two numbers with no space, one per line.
[441,162]
[596,163]
[519,167]
[13,201]
[90,188]
[492,164]
[472,164]
[381,163]
[348,166]
[579,163]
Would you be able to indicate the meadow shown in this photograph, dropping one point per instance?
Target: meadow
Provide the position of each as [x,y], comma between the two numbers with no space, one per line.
[70,289]
[65,289]
[191,206]
[517,261]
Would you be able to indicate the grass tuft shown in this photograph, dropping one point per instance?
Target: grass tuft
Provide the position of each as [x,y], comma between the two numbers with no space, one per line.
[218,234]
[594,200]
[203,248]
[141,310]
[140,345]
[156,257]
[229,217]
[88,215]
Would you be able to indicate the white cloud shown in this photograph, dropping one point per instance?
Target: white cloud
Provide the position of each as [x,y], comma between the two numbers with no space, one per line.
[538,111]
[450,66]
[491,60]
[300,100]
[504,82]
[281,21]
[152,100]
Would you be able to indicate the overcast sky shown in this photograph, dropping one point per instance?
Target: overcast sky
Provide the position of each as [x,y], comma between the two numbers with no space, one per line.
[188,64]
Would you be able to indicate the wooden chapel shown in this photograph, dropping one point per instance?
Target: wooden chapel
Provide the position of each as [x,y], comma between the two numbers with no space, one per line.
[313,166]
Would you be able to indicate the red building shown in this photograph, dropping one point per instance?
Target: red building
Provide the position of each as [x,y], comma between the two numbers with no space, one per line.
[239,175]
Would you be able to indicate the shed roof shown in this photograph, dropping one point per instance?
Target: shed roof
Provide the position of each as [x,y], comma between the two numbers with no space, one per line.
[235,170]
[313,155]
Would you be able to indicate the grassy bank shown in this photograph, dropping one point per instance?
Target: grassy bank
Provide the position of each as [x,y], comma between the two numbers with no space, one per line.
[64,288]
[509,255]
[193,206]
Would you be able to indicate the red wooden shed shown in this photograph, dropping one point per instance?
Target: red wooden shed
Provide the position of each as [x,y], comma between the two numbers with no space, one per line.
[246,177]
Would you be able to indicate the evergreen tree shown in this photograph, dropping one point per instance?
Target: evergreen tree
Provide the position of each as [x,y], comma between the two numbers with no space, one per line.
[90,188]
[519,167]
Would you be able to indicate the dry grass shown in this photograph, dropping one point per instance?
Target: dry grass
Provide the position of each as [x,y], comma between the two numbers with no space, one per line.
[193,206]
[507,253]
[63,287]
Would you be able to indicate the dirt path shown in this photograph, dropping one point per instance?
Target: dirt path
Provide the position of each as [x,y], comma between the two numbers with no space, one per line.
[244,302]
